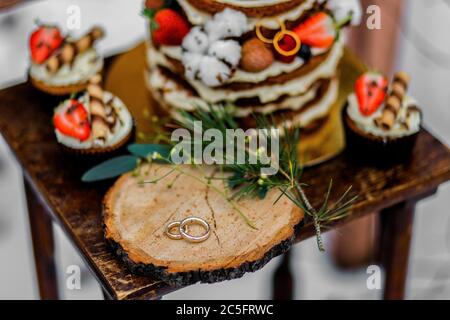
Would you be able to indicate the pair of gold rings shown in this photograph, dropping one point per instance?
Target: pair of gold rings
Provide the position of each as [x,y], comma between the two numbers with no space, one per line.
[278,37]
[179,230]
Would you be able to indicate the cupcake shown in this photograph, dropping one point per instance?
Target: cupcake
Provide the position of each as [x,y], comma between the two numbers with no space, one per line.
[97,122]
[63,65]
[381,120]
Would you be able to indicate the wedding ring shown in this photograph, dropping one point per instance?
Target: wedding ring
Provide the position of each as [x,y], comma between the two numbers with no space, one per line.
[182,231]
[261,36]
[280,35]
[198,221]
[170,227]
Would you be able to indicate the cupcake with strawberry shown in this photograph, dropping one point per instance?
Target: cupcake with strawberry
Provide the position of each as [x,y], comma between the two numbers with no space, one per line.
[382,121]
[61,65]
[96,122]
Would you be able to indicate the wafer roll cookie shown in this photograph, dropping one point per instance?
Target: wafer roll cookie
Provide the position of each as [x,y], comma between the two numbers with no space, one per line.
[97,108]
[99,128]
[393,103]
[95,91]
[87,40]
[387,119]
[398,90]
[71,49]
[67,53]
[52,65]
[390,111]
[402,77]
[97,79]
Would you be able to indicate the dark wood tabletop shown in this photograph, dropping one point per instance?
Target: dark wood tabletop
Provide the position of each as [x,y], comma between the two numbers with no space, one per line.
[25,123]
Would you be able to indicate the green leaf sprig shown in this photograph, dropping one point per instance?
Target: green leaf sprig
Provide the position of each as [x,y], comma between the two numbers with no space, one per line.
[244,180]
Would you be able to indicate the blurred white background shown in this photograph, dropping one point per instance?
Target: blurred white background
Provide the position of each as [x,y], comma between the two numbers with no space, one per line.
[424,52]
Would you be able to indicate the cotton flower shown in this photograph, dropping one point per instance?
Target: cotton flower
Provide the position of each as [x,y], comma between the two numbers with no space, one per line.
[191,62]
[213,72]
[209,55]
[226,50]
[226,24]
[196,41]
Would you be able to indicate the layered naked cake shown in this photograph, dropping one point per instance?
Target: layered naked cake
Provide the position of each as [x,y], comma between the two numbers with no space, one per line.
[271,57]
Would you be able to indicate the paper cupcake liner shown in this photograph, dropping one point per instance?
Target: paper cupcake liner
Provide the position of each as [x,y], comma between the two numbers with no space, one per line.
[376,150]
[100,153]
[58,90]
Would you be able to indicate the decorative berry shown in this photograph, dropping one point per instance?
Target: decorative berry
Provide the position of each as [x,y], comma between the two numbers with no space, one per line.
[43,42]
[370,90]
[305,52]
[255,56]
[287,43]
[169,28]
[317,31]
[72,120]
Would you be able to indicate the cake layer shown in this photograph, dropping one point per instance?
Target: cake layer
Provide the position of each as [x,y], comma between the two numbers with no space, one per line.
[179,96]
[309,115]
[278,72]
[301,110]
[291,84]
[199,12]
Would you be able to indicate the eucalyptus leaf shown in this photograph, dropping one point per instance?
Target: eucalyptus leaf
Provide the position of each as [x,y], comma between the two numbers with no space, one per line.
[147,150]
[111,168]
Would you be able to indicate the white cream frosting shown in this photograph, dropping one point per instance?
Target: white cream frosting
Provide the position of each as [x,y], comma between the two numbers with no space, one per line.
[197,17]
[123,127]
[85,65]
[251,3]
[367,124]
[318,110]
[181,99]
[268,93]
[158,57]
[171,98]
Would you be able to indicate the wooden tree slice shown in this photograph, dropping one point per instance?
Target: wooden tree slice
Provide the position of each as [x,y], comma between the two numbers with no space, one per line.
[136,216]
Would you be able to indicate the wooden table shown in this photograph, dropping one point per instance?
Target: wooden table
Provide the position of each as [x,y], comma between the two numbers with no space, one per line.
[55,193]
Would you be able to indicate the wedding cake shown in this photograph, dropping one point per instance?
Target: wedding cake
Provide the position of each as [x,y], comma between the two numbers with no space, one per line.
[249,57]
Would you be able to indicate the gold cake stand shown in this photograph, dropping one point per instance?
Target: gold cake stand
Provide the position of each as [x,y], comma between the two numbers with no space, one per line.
[125,78]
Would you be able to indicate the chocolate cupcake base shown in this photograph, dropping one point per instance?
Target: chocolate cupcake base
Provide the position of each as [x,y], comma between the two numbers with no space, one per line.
[367,148]
[100,153]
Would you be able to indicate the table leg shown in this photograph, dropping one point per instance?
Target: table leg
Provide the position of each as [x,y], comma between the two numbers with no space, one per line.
[106,295]
[395,239]
[283,280]
[43,245]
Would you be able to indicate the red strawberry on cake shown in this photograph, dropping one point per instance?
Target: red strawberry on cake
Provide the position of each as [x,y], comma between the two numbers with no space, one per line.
[370,90]
[168,27]
[317,31]
[43,42]
[73,120]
